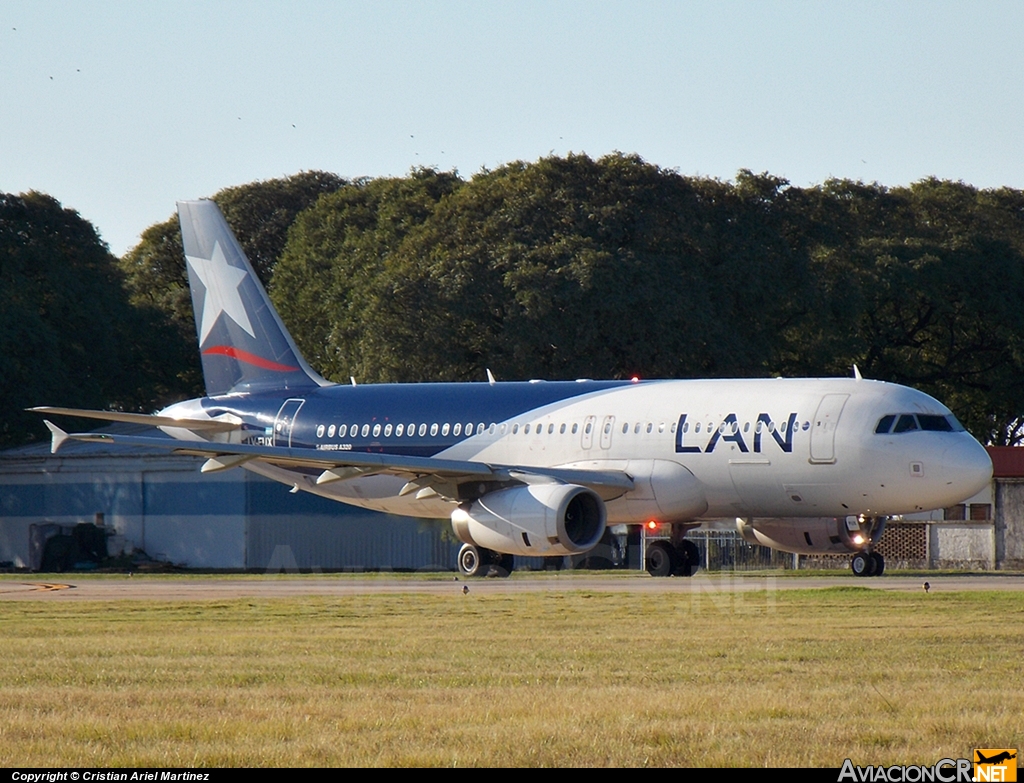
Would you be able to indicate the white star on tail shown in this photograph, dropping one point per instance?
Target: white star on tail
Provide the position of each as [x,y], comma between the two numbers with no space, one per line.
[221,281]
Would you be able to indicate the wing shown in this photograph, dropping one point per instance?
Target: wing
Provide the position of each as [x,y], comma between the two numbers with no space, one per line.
[425,476]
[225,423]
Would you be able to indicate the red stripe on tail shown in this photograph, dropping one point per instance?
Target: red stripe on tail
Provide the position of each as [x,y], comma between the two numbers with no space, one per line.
[249,358]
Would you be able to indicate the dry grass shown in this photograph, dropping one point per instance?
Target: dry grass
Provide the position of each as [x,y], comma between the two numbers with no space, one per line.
[802,678]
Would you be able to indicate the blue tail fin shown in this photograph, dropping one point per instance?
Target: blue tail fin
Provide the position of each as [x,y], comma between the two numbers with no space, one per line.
[244,345]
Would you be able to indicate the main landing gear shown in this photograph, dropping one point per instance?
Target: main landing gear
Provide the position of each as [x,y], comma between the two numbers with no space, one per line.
[477,561]
[667,559]
[867,564]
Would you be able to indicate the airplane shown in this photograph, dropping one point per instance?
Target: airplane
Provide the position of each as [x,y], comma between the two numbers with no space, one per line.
[996,759]
[814,465]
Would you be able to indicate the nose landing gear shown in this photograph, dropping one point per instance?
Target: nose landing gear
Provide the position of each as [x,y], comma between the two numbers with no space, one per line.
[867,564]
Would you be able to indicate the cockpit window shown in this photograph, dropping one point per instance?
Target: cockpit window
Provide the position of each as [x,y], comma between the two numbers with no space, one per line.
[934,423]
[905,423]
[908,422]
[956,425]
[884,424]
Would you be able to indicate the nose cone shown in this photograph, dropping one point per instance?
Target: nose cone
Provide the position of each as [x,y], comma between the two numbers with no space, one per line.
[967,467]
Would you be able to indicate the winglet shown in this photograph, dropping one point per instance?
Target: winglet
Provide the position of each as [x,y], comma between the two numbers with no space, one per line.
[57,436]
[490,377]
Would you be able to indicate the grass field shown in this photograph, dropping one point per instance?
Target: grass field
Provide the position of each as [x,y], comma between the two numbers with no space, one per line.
[790,678]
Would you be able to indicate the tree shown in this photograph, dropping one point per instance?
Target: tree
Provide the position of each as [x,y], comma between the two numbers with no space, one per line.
[68,335]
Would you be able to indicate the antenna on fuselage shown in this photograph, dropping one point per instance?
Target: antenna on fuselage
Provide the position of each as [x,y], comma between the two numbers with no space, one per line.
[856,373]
[490,377]
[353,379]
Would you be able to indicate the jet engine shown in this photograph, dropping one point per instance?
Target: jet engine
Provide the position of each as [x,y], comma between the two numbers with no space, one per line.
[536,519]
[813,535]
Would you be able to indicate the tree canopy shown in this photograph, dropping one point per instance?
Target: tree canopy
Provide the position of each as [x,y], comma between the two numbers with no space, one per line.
[67,333]
[562,268]
[571,267]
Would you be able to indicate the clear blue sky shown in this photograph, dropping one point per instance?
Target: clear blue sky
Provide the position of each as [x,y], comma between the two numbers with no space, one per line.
[118,109]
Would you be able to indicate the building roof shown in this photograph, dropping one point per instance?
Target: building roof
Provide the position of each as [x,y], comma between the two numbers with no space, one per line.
[1007,461]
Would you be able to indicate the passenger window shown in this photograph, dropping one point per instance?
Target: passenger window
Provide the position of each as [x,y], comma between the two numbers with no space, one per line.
[746,426]
[649,427]
[423,429]
[433,429]
[458,429]
[905,423]
[885,424]
[625,428]
[686,426]
[376,430]
[387,430]
[399,430]
[330,431]
[696,427]
[757,427]
[365,430]
[589,426]
[551,428]
[661,427]
[515,429]
[526,430]
[411,430]
[480,428]
[445,429]
[319,430]
[636,428]
[575,427]
[342,430]
[561,430]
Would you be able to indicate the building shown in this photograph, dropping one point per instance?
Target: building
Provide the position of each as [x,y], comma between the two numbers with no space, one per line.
[157,504]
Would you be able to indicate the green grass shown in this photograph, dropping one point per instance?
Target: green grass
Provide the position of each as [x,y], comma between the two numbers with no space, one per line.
[801,678]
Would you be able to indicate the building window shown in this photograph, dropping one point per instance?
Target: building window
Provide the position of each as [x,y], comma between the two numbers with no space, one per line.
[981,512]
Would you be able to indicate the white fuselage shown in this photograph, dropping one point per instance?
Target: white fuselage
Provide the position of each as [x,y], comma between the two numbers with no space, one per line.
[755,448]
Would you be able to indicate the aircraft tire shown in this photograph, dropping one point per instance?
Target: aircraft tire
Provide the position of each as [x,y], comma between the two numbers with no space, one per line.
[879,562]
[861,564]
[471,561]
[661,559]
[688,557]
[502,565]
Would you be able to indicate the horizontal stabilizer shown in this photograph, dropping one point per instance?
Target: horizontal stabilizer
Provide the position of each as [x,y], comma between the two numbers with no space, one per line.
[57,436]
[223,424]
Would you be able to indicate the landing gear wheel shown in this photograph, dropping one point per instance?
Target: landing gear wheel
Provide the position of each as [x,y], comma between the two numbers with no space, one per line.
[471,561]
[502,565]
[859,564]
[879,563]
[862,565]
[689,559]
[661,559]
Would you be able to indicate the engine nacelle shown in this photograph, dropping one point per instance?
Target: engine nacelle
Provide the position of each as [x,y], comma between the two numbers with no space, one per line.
[808,536]
[537,519]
